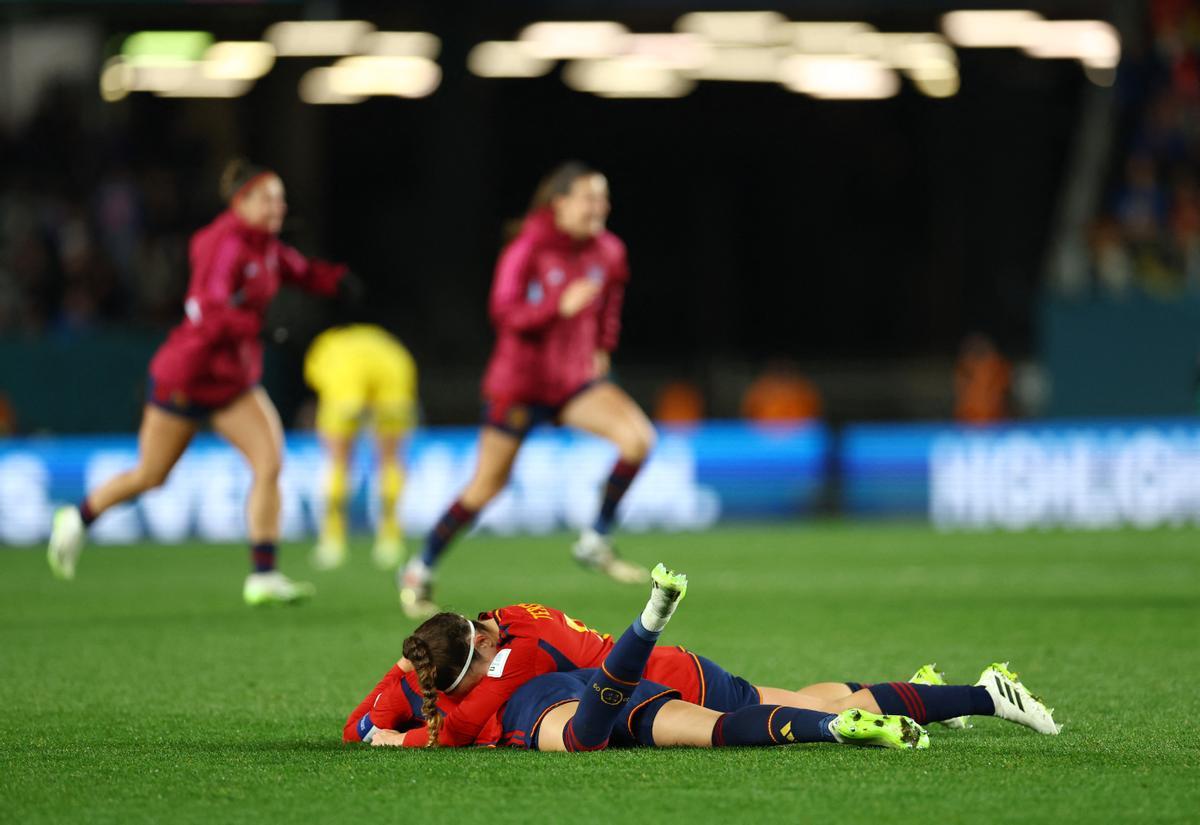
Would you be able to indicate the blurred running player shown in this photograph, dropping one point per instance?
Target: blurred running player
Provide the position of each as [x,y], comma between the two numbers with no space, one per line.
[556,305]
[208,370]
[523,642]
[360,371]
[587,710]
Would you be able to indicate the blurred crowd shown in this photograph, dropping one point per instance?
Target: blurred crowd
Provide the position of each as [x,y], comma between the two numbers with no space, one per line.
[86,235]
[1148,236]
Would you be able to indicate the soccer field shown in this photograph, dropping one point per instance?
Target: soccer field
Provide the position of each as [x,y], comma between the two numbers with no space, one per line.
[145,690]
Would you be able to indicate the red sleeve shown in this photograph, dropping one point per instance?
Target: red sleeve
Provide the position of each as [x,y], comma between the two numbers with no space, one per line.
[514,306]
[524,661]
[212,304]
[609,328]
[385,707]
[312,274]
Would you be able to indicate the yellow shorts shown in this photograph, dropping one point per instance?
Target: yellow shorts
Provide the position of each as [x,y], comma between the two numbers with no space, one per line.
[360,371]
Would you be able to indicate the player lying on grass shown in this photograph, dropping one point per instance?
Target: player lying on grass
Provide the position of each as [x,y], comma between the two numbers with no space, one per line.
[515,644]
[587,710]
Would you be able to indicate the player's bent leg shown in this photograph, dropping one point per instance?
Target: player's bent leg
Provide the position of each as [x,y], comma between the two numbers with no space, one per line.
[330,550]
[252,425]
[497,452]
[800,698]
[554,724]
[821,690]
[605,410]
[162,438]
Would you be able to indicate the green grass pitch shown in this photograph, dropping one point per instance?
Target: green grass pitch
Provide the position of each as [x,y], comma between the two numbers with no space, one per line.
[146,692]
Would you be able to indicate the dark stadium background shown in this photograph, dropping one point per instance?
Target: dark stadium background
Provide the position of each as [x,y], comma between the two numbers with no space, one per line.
[860,241]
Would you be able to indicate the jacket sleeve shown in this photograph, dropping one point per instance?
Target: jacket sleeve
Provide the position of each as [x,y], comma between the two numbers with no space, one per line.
[212,304]
[608,331]
[514,304]
[311,274]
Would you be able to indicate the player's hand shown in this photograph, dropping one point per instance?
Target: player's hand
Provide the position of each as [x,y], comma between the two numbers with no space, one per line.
[601,363]
[576,296]
[387,739]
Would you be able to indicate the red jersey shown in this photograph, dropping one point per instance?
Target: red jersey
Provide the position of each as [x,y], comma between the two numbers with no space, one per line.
[541,357]
[214,354]
[534,640]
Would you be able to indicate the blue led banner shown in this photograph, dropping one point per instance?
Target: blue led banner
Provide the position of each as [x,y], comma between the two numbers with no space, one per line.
[696,477]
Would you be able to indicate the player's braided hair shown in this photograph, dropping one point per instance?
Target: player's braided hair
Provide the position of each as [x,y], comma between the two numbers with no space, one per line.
[438,650]
[236,174]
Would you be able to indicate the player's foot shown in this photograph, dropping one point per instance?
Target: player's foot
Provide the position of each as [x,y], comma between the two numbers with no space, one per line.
[930,675]
[66,542]
[1013,700]
[416,590]
[388,552]
[666,594]
[273,587]
[860,727]
[329,554]
[596,551]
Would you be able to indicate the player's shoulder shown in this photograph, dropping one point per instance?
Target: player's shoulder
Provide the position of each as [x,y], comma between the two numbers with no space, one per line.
[611,245]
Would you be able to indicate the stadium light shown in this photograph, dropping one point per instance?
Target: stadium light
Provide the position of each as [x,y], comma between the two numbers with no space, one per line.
[825,38]
[199,85]
[625,77]
[317,38]
[116,80]
[991,29]
[238,60]
[748,64]
[591,39]
[165,46]
[316,88]
[498,58]
[1094,43]
[839,77]
[736,27]
[673,50]
[396,76]
[401,44]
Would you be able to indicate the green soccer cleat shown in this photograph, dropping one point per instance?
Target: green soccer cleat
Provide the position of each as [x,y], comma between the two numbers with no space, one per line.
[274,588]
[873,730]
[668,591]
[1013,700]
[67,535]
[930,675]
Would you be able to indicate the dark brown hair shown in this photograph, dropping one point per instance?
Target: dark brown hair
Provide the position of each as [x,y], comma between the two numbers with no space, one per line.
[558,181]
[236,174]
[438,650]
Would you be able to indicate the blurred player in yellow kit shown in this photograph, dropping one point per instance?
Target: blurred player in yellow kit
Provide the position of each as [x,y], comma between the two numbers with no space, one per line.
[361,372]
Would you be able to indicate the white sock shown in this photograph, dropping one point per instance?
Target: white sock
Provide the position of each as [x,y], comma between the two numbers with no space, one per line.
[659,610]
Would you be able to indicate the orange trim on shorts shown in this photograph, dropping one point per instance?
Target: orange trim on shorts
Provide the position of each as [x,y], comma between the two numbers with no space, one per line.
[629,719]
[533,731]
[615,679]
[769,718]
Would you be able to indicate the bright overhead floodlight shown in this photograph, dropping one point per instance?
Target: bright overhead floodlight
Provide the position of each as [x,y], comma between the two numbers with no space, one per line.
[318,38]
[500,58]
[557,41]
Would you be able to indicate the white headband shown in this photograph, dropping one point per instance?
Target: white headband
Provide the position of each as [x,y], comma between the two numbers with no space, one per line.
[470,654]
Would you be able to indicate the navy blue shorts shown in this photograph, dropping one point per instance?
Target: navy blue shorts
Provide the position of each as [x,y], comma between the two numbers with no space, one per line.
[724,692]
[517,418]
[178,404]
[533,700]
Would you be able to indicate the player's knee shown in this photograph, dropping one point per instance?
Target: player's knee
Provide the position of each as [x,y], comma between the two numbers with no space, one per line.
[637,442]
[266,467]
[148,478]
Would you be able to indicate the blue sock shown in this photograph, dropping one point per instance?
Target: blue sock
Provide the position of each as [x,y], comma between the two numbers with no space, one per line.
[611,686]
[623,473]
[262,557]
[772,725]
[449,525]
[932,703]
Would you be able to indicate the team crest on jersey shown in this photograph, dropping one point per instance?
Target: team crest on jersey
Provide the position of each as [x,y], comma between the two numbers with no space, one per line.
[251,269]
[595,274]
[496,668]
[534,294]
[555,276]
